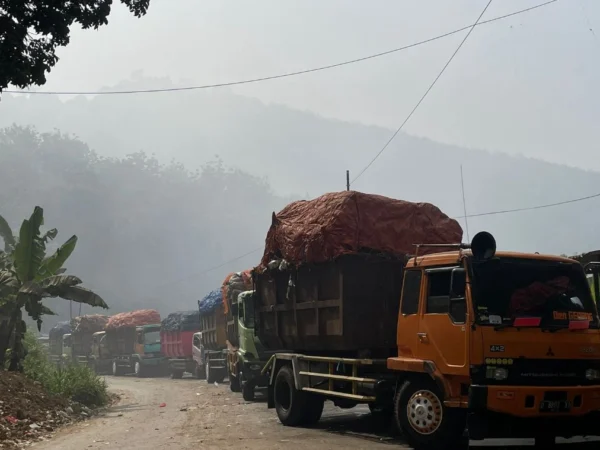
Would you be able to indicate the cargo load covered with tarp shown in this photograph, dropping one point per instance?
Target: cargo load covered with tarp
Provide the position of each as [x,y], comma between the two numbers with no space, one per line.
[234,284]
[181,321]
[83,328]
[210,302]
[213,321]
[349,222]
[176,333]
[55,337]
[331,276]
[120,329]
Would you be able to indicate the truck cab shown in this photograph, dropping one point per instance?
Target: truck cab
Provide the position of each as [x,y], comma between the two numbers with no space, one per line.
[502,344]
[246,361]
[148,341]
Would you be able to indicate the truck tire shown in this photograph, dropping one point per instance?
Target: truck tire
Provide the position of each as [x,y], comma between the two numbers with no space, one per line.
[116,370]
[219,375]
[176,374]
[139,369]
[234,383]
[314,410]
[290,403]
[199,372]
[424,420]
[248,390]
[210,374]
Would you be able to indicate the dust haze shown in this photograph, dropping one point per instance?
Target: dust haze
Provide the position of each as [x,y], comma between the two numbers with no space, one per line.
[168,192]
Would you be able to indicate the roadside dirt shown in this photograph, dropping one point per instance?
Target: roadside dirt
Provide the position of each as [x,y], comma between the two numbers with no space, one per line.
[198,415]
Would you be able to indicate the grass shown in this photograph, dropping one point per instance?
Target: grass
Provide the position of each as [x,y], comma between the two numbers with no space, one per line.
[78,383]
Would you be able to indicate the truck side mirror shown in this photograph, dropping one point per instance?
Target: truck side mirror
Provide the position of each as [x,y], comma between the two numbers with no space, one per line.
[457,309]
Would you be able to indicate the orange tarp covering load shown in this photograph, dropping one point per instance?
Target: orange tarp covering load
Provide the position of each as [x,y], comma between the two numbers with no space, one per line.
[348,222]
[133,319]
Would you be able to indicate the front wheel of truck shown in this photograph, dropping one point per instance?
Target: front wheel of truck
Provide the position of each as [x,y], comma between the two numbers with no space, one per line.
[424,420]
[248,391]
[116,370]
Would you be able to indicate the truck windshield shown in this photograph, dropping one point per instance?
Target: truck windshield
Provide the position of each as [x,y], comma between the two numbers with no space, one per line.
[152,337]
[249,311]
[555,292]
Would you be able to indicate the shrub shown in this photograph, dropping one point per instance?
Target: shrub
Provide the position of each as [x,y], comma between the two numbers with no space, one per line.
[78,383]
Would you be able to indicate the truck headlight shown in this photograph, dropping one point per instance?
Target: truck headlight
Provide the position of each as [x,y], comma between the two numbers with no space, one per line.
[592,374]
[497,373]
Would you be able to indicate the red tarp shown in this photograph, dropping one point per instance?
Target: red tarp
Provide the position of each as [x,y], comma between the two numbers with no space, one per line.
[133,319]
[236,283]
[347,222]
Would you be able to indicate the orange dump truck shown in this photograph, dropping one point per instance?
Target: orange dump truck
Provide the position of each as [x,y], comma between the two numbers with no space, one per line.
[457,342]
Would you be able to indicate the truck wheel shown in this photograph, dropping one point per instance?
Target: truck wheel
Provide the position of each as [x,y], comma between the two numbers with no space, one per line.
[219,375]
[290,403]
[139,369]
[424,420]
[177,374]
[210,376]
[314,410]
[199,372]
[248,391]
[116,370]
[234,383]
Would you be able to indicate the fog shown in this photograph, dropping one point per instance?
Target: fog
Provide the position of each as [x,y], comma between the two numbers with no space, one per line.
[164,190]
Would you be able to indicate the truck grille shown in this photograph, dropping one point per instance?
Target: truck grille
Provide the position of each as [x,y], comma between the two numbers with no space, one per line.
[540,372]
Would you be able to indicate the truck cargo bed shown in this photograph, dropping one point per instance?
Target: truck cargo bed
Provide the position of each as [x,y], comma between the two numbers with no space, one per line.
[348,306]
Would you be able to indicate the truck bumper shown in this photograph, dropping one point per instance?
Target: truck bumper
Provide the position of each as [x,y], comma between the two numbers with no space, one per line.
[517,411]
[154,361]
[252,372]
[187,365]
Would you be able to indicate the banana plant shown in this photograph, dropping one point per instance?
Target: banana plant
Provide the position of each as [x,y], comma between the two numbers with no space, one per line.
[28,276]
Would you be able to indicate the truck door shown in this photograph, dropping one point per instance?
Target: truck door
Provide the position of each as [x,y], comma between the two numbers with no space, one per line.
[408,319]
[443,333]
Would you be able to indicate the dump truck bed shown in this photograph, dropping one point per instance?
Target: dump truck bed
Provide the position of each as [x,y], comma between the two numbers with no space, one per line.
[347,306]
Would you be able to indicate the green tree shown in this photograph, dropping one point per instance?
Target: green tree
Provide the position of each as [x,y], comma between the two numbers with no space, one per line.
[32,31]
[28,276]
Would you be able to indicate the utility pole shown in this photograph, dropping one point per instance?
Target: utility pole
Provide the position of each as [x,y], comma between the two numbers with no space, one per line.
[347,180]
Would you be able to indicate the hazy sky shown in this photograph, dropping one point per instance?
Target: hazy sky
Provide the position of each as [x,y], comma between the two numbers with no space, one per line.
[527,84]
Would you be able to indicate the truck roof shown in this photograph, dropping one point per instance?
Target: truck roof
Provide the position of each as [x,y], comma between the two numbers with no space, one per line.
[445,258]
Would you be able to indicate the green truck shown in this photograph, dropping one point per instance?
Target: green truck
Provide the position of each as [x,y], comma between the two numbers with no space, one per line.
[133,340]
[246,360]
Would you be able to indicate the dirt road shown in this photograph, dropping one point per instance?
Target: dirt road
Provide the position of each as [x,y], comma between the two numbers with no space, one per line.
[211,417]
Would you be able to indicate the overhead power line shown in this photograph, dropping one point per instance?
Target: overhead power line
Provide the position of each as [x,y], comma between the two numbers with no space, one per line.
[530,208]
[423,96]
[283,75]
[210,269]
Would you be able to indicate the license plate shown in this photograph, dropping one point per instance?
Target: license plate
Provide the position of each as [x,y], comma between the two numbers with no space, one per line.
[554,406]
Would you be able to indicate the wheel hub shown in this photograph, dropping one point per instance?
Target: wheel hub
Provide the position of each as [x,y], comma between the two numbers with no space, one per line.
[424,412]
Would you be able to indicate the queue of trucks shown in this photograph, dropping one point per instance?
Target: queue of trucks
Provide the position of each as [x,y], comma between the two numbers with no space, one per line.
[363,299]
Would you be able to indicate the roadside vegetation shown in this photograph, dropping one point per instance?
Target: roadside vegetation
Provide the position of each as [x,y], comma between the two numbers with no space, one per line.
[77,383]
